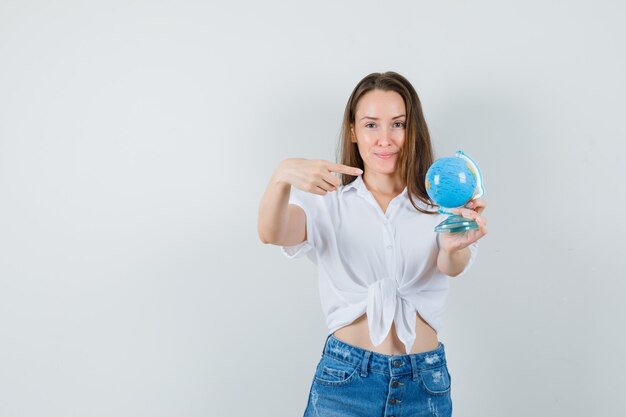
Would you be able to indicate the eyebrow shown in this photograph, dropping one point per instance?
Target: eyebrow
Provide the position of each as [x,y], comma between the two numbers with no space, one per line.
[376,118]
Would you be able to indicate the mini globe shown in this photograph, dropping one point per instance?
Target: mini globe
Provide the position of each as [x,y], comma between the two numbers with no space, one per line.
[451,182]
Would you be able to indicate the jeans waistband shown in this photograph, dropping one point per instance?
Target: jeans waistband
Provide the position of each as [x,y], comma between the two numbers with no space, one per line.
[389,364]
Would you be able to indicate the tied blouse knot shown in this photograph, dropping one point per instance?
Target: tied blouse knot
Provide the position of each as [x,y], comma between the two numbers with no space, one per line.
[380,263]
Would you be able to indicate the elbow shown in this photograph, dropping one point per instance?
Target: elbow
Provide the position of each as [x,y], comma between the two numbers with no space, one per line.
[263,238]
[454,274]
[449,274]
[261,234]
[450,271]
[270,235]
[267,238]
[261,230]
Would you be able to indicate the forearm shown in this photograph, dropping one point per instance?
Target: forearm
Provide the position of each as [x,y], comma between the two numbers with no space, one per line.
[273,210]
[453,263]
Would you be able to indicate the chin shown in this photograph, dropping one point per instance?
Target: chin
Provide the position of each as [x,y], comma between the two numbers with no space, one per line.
[381,170]
[385,171]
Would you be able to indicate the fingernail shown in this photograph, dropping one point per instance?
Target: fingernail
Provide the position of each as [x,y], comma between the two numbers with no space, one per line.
[358,171]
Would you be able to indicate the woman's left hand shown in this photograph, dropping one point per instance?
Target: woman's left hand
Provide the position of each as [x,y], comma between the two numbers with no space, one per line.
[452,242]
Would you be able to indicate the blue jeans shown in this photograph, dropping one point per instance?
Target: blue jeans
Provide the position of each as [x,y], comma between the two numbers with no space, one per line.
[351,381]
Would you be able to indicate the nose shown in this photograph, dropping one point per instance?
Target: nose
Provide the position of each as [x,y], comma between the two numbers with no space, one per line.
[385,136]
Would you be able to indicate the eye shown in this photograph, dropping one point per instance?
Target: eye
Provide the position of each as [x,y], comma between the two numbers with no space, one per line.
[369,124]
[400,123]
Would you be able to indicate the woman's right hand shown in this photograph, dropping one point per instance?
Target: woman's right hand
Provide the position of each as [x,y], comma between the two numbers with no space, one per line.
[313,175]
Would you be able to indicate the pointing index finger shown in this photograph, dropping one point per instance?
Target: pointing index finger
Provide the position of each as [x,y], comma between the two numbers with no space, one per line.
[345,169]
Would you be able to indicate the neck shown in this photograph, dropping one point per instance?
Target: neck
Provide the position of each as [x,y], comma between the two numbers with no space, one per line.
[386,184]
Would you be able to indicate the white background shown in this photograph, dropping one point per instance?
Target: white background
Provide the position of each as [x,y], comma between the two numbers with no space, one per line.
[136,141]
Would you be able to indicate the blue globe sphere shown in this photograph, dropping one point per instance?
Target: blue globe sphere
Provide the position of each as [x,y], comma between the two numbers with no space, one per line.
[451,182]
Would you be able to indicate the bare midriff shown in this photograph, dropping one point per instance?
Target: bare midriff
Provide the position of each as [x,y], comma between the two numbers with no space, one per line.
[357,334]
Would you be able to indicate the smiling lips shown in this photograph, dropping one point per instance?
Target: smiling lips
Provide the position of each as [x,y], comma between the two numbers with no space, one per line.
[385,155]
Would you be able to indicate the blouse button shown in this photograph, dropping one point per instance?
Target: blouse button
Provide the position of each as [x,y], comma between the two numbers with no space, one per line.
[389,246]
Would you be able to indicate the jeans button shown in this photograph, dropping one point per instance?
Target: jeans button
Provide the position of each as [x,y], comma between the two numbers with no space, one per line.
[397,363]
[395,384]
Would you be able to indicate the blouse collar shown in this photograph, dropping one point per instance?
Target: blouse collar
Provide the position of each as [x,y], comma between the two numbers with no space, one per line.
[359,185]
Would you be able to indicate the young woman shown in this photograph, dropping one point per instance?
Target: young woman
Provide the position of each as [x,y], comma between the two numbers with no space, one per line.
[383,272]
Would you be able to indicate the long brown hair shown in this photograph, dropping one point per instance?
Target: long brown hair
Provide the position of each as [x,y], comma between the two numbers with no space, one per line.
[416,156]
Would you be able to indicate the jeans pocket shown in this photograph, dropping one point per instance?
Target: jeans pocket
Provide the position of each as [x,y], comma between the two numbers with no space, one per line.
[332,371]
[435,381]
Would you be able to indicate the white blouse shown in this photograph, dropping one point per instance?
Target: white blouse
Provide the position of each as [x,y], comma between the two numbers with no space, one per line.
[382,264]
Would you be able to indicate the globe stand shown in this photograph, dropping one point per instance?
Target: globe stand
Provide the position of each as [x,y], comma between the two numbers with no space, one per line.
[455,224]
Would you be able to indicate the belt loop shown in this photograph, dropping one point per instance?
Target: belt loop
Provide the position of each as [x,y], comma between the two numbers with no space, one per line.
[325,343]
[366,358]
[414,369]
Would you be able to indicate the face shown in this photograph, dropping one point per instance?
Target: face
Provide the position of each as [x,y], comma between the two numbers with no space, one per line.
[379,129]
